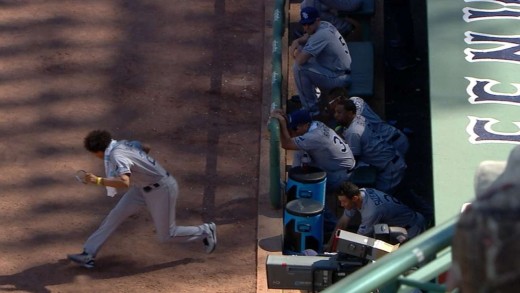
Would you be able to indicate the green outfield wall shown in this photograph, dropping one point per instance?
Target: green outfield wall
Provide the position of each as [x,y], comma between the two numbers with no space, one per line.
[474,59]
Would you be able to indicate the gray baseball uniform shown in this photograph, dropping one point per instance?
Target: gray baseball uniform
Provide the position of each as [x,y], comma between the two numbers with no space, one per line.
[380,208]
[328,68]
[327,151]
[152,186]
[389,133]
[369,148]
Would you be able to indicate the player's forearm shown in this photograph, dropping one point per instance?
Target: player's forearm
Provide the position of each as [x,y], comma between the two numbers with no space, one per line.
[286,139]
[294,49]
[114,182]
[122,181]
[341,225]
[303,39]
[288,144]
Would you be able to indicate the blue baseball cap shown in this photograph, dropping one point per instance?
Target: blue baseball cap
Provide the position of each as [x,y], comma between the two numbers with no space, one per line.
[308,15]
[299,117]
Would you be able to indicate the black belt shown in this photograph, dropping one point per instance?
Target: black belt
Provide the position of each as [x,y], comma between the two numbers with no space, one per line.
[149,188]
[348,71]
[395,137]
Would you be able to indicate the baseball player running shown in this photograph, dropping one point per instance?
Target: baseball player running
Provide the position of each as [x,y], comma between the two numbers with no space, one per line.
[321,59]
[128,165]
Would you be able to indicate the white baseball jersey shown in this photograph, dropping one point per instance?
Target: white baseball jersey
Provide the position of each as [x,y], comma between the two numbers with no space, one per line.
[389,133]
[327,150]
[366,145]
[143,168]
[369,148]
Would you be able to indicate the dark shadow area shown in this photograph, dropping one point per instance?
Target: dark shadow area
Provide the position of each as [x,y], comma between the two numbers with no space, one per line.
[236,210]
[407,93]
[272,244]
[35,279]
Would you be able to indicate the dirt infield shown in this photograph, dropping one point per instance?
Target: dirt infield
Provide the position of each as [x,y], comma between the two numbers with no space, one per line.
[183,76]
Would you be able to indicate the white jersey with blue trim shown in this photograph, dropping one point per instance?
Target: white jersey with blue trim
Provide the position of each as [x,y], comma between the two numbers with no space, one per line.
[329,49]
[388,133]
[143,168]
[366,145]
[364,110]
[327,150]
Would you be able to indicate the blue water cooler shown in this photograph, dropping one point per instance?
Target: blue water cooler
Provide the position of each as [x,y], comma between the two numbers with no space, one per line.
[303,226]
[309,182]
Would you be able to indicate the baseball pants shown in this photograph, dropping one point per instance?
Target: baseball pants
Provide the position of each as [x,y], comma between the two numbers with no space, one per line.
[161,203]
[389,178]
[311,75]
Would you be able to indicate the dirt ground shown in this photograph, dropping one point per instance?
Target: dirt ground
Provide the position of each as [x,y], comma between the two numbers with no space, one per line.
[183,76]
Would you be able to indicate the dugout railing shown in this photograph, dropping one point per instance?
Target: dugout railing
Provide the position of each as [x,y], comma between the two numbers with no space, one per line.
[279,16]
[415,265]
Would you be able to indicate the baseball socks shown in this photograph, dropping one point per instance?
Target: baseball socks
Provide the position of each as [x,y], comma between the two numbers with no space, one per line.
[210,242]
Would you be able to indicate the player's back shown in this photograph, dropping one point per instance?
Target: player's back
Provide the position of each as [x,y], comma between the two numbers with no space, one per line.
[366,145]
[388,209]
[386,131]
[144,169]
[327,149]
[329,48]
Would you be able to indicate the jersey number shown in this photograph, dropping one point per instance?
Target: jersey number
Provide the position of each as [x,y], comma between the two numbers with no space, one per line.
[343,43]
[338,140]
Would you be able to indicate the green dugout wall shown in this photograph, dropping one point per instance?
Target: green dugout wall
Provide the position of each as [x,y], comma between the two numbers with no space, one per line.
[474,57]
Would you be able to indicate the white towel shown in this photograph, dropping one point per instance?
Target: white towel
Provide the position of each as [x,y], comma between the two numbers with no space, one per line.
[109,168]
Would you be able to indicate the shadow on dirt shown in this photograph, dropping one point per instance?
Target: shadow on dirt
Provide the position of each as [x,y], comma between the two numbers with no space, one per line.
[36,279]
[236,210]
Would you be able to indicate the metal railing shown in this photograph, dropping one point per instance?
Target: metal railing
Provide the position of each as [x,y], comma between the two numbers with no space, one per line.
[387,273]
[276,97]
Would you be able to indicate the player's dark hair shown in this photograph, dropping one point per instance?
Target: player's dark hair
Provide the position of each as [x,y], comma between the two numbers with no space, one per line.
[347,189]
[347,104]
[97,140]
[338,91]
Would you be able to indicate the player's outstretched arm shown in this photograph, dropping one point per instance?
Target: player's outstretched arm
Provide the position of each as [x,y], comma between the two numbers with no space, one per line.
[123,181]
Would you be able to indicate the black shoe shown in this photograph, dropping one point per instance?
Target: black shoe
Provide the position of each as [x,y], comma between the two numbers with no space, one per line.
[295,99]
[83,259]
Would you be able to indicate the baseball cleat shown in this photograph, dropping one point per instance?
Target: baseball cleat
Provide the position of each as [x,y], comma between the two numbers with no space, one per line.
[210,242]
[83,259]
